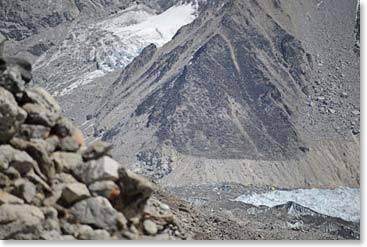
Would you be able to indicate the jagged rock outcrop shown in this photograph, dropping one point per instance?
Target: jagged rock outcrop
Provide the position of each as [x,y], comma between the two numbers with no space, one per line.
[52,186]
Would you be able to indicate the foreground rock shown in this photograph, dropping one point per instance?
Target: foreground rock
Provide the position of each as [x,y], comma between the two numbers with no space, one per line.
[11,115]
[20,160]
[52,186]
[97,150]
[33,131]
[96,212]
[150,227]
[66,161]
[6,198]
[25,190]
[135,192]
[19,220]
[42,108]
[75,192]
[104,168]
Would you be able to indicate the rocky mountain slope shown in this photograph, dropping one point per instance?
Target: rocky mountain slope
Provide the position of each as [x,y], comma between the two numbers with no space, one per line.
[233,102]
[259,92]
[269,89]
[54,187]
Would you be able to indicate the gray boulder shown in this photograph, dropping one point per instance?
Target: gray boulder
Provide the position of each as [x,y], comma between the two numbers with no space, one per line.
[6,198]
[86,232]
[62,178]
[150,227]
[69,228]
[68,144]
[96,212]
[104,168]
[51,222]
[42,108]
[23,68]
[74,192]
[25,190]
[66,161]
[32,131]
[12,173]
[4,181]
[19,219]
[97,150]
[19,160]
[11,116]
[53,142]
[11,79]
[50,213]
[39,150]
[58,183]
[53,225]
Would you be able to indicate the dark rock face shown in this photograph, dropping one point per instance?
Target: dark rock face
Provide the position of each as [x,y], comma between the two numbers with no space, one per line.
[228,102]
[215,128]
[246,81]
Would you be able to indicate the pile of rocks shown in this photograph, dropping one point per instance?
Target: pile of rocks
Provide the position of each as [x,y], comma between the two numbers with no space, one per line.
[54,187]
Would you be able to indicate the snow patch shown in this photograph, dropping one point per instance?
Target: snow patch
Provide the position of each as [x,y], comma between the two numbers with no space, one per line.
[342,202]
[157,29]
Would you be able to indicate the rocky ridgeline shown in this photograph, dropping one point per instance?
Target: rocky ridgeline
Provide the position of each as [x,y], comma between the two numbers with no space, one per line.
[52,186]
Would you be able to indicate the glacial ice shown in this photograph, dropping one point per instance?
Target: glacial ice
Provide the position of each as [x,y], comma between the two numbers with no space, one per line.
[91,51]
[342,202]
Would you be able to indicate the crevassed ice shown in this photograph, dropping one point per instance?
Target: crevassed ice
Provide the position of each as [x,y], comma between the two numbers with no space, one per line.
[113,43]
[342,202]
[157,29]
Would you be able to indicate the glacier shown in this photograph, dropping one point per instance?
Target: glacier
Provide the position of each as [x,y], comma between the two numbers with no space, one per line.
[156,29]
[342,202]
[91,50]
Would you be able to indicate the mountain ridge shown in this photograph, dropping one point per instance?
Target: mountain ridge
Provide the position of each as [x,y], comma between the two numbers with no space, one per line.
[276,82]
[249,85]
